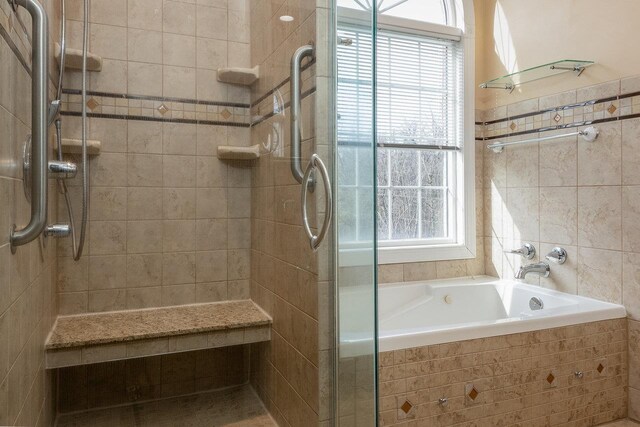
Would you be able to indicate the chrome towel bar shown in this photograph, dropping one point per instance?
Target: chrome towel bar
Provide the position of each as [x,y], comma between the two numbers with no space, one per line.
[589,134]
[39,125]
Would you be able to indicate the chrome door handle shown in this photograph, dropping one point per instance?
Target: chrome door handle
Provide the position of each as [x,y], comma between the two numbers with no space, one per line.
[316,240]
[296,66]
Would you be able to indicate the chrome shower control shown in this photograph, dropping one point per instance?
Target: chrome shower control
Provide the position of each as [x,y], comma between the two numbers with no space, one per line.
[57,230]
[557,255]
[443,401]
[62,169]
[526,251]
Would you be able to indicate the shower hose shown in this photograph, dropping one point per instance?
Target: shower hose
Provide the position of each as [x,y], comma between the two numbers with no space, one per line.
[77,243]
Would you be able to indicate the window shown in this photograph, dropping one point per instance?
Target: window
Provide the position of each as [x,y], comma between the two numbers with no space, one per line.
[425,200]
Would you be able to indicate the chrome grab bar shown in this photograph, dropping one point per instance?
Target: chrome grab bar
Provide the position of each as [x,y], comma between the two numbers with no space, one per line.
[589,134]
[296,65]
[316,163]
[39,116]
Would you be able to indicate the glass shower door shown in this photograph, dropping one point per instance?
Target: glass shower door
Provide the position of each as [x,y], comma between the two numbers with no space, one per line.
[356,341]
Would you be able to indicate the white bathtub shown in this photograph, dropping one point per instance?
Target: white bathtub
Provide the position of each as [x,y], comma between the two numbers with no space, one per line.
[440,311]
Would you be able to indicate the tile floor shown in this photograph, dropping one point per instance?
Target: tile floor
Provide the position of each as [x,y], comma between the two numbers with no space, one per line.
[622,423]
[237,407]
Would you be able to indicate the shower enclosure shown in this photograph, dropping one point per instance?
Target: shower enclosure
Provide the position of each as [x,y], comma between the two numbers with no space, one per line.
[216,154]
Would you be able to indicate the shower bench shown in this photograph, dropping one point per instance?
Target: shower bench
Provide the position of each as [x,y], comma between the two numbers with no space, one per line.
[116,335]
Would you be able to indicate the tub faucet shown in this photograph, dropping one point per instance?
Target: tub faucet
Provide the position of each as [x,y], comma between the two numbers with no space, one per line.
[540,268]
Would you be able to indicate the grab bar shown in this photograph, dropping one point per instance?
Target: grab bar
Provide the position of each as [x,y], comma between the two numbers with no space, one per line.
[39,115]
[296,65]
[315,240]
[590,134]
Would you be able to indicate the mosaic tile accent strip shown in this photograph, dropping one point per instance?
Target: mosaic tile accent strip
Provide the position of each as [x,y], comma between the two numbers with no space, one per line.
[122,106]
[619,107]
[523,379]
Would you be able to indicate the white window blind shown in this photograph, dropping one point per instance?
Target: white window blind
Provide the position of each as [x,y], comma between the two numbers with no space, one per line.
[419,126]
[355,88]
[419,89]
[419,84]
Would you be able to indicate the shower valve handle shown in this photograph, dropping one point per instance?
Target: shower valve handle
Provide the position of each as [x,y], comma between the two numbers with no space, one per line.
[527,251]
[62,169]
[57,230]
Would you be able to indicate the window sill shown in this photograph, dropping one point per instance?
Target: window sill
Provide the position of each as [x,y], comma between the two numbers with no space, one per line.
[399,255]
[360,255]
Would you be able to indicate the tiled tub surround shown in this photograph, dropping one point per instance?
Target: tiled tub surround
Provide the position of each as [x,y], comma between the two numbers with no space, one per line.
[528,379]
[582,196]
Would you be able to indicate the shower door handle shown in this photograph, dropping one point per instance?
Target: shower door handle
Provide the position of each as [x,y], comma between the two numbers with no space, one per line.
[316,240]
[296,66]
[39,126]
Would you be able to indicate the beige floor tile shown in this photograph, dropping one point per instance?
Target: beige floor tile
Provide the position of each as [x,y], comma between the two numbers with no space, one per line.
[622,423]
[239,407]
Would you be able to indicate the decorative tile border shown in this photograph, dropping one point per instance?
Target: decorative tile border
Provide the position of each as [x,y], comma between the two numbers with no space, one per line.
[135,107]
[602,110]
[259,119]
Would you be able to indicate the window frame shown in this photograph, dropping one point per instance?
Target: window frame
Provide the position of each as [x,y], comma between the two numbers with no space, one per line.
[460,30]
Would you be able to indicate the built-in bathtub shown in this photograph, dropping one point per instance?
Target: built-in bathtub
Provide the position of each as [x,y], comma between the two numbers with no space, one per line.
[433,312]
[473,351]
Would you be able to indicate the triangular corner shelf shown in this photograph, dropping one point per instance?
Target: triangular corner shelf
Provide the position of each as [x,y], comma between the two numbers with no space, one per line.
[73,59]
[226,152]
[238,75]
[74,146]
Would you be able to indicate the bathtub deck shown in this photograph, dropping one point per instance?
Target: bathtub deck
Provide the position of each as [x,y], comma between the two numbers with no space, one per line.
[238,407]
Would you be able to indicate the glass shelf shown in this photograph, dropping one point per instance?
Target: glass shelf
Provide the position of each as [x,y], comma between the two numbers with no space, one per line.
[510,81]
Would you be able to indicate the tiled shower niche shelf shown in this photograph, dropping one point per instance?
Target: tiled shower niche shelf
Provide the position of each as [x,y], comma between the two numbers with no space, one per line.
[73,59]
[239,76]
[226,152]
[115,335]
[74,146]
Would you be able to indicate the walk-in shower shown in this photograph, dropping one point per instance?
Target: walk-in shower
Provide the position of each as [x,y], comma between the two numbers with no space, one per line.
[328,213]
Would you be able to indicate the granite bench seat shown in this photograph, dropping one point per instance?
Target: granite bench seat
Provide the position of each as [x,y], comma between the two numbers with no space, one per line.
[100,337]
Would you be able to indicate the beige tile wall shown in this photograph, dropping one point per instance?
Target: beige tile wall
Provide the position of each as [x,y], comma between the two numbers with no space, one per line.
[164,48]
[135,380]
[169,222]
[287,279]
[577,195]
[27,279]
[526,379]
[164,228]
